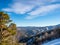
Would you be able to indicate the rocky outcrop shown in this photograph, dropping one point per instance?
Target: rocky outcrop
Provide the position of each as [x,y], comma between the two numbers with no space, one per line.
[8,39]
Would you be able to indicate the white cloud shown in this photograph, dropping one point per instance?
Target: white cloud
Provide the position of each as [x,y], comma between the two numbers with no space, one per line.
[23,6]
[7,9]
[19,8]
[42,11]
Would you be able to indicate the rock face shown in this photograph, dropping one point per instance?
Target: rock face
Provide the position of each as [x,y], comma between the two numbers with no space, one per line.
[7,30]
[8,39]
[22,43]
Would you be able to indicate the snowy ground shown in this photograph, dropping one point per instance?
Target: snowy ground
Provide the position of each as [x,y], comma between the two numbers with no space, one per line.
[54,42]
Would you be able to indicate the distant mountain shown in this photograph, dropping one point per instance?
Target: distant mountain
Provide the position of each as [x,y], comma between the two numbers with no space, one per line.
[57,26]
[29,31]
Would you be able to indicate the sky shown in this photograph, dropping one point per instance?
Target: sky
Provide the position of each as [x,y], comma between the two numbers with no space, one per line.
[32,12]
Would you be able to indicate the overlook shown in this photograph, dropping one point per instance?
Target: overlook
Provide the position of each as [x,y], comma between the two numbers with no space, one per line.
[29,22]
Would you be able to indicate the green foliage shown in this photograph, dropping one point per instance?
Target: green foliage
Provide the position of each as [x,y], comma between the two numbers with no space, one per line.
[4,18]
[12,28]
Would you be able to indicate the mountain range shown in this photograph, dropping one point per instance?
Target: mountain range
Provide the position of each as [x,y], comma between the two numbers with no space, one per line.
[29,31]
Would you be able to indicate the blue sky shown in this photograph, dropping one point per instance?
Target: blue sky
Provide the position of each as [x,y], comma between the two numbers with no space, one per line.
[32,12]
